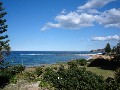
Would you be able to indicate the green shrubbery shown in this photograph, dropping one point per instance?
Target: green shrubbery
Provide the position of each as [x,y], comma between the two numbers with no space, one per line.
[76,63]
[99,62]
[112,64]
[7,74]
[77,78]
[74,78]
[117,75]
[111,84]
[30,76]
[39,71]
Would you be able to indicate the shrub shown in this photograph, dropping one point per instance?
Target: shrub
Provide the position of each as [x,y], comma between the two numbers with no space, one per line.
[39,71]
[82,62]
[117,75]
[75,79]
[49,74]
[7,74]
[111,84]
[99,63]
[17,69]
[55,68]
[72,64]
[30,76]
[116,61]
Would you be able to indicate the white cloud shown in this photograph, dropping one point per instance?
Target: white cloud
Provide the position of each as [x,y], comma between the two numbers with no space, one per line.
[84,17]
[72,20]
[63,11]
[93,11]
[115,37]
[109,18]
[48,25]
[95,4]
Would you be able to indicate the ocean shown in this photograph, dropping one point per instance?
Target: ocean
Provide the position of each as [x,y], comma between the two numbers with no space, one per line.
[37,58]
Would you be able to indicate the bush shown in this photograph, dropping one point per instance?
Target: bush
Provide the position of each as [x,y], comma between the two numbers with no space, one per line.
[117,75]
[72,64]
[82,62]
[116,61]
[74,79]
[7,74]
[76,63]
[111,84]
[30,76]
[18,69]
[99,63]
[39,71]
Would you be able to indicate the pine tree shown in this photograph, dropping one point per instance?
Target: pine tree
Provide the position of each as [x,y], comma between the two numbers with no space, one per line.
[108,48]
[114,50]
[4,42]
[118,48]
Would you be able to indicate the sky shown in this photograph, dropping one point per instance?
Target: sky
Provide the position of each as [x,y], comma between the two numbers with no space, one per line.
[62,25]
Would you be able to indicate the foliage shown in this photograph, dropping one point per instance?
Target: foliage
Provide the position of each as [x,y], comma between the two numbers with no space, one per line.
[76,63]
[117,75]
[45,84]
[30,76]
[4,43]
[7,74]
[118,48]
[82,62]
[11,71]
[107,48]
[72,64]
[99,63]
[74,78]
[39,71]
[111,84]
[18,69]
[116,61]
[114,49]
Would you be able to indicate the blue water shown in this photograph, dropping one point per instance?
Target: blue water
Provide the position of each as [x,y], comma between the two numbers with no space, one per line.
[35,58]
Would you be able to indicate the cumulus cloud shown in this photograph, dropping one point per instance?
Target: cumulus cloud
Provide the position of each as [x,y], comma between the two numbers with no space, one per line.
[95,4]
[86,16]
[63,11]
[109,18]
[72,20]
[115,37]
[48,25]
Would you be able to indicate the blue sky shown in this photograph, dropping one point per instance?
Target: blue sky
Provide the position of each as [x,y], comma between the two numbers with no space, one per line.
[62,25]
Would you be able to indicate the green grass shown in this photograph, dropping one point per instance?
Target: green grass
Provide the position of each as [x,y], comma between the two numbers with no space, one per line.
[102,72]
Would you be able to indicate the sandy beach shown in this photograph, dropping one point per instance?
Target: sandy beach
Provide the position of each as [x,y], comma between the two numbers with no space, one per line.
[100,56]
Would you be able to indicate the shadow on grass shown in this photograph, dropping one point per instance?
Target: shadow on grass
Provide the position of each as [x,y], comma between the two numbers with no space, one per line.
[109,67]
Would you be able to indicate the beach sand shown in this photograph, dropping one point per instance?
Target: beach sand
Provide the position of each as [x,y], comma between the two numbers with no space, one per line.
[100,56]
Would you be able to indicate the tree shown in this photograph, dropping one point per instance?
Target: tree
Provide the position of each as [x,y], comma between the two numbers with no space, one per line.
[107,48]
[4,42]
[118,48]
[114,50]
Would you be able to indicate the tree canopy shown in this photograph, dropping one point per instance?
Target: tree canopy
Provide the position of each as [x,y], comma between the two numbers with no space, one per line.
[107,48]
[4,42]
